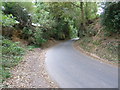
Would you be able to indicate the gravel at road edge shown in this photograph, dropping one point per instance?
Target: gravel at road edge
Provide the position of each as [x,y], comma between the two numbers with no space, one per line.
[31,73]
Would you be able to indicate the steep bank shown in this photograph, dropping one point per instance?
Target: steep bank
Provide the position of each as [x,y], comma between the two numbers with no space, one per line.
[99,44]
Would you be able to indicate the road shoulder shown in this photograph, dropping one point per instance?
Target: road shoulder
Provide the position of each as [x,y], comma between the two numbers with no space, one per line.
[92,55]
[31,73]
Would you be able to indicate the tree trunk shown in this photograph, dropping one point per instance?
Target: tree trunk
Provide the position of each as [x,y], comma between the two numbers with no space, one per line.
[82,26]
[82,15]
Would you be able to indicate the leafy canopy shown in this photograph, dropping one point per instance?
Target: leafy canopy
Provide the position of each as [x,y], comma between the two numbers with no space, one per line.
[111,17]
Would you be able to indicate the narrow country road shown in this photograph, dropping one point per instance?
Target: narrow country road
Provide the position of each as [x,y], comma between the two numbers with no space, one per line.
[72,69]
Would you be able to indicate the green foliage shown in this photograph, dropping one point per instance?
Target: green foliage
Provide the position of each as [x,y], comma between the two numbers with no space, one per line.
[29,6]
[31,47]
[11,56]
[47,24]
[11,53]
[5,74]
[42,16]
[8,20]
[71,12]
[34,37]
[59,20]
[27,32]
[39,40]
[72,29]
[62,30]
[97,42]
[63,16]
[49,27]
[111,17]
[20,10]
[90,10]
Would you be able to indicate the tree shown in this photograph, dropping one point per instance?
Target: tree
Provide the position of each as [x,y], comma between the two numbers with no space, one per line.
[91,9]
[87,12]
[82,26]
[19,10]
[8,20]
[111,17]
[60,13]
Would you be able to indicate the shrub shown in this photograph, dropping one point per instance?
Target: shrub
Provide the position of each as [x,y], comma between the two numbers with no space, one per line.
[111,17]
[34,36]
[11,55]
[8,20]
[39,40]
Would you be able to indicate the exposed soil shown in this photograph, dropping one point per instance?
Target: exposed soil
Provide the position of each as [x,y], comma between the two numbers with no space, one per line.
[31,72]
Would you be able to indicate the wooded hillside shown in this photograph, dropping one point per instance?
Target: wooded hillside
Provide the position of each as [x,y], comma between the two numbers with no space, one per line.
[36,23]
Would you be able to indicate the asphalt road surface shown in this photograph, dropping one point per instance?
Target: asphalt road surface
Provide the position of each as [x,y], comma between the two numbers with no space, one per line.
[73,69]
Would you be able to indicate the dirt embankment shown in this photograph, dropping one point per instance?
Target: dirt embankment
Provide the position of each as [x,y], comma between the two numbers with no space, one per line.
[31,72]
[99,45]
